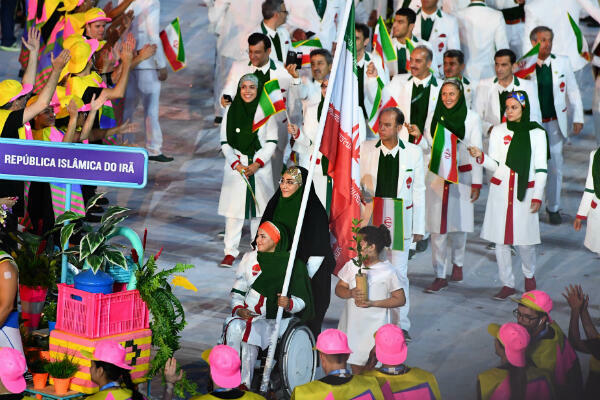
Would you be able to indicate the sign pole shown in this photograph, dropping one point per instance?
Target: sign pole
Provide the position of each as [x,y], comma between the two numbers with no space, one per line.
[63,272]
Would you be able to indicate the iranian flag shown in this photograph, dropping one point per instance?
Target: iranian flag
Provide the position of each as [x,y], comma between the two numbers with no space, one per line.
[341,144]
[305,47]
[270,103]
[390,212]
[410,46]
[526,64]
[383,99]
[581,43]
[444,157]
[382,43]
[173,45]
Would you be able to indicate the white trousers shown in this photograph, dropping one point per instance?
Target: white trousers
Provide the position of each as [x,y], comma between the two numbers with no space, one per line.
[144,85]
[584,78]
[446,248]
[248,352]
[555,165]
[596,109]
[222,67]
[504,258]
[399,260]
[233,233]
[515,37]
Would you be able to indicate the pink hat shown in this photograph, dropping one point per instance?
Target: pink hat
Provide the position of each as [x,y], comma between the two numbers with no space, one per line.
[514,338]
[12,369]
[333,341]
[225,364]
[109,351]
[390,347]
[536,300]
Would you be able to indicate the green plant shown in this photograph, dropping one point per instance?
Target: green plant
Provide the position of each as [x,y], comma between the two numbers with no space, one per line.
[167,316]
[360,258]
[93,250]
[36,257]
[63,368]
[50,311]
[37,366]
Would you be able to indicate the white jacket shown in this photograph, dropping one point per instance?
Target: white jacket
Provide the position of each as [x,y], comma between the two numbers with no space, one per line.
[284,40]
[146,29]
[487,100]
[451,6]
[563,85]
[589,209]
[444,36]
[411,182]
[482,32]
[302,14]
[233,21]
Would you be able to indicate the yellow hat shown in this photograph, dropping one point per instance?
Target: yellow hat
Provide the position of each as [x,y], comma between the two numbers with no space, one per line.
[70,5]
[81,53]
[64,102]
[94,15]
[71,40]
[206,354]
[10,90]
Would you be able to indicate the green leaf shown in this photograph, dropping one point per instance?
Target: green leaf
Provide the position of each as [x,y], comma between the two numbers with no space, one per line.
[65,235]
[92,202]
[89,244]
[111,212]
[95,262]
[68,216]
[116,258]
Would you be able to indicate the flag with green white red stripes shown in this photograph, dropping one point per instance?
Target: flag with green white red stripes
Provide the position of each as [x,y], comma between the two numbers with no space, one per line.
[270,103]
[390,212]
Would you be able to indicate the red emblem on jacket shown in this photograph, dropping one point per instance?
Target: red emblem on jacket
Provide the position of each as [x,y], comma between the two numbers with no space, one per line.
[408,182]
[562,86]
[255,269]
[507,139]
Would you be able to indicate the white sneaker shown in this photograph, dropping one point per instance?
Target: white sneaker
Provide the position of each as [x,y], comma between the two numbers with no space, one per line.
[14,48]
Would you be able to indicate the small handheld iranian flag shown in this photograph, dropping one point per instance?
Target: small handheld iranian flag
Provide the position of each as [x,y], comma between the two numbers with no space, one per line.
[410,46]
[526,64]
[382,43]
[383,99]
[305,47]
[444,156]
[390,212]
[581,43]
[270,103]
[173,45]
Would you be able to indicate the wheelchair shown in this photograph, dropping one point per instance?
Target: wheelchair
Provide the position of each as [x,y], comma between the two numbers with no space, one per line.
[295,361]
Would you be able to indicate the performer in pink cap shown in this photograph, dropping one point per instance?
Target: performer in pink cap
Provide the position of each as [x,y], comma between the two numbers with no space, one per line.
[549,348]
[513,379]
[12,369]
[397,380]
[339,383]
[110,372]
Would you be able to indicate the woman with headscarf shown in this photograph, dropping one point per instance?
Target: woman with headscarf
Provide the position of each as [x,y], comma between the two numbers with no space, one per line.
[588,208]
[255,295]
[518,159]
[314,246]
[248,180]
[450,201]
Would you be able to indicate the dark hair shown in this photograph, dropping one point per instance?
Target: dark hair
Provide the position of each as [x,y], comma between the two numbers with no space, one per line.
[258,37]
[379,236]
[322,52]
[427,50]
[540,29]
[410,15]
[453,53]
[7,106]
[270,7]
[517,377]
[337,358]
[506,53]
[364,29]
[398,113]
[117,374]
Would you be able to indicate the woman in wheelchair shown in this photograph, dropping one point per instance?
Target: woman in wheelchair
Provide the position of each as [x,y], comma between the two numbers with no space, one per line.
[255,295]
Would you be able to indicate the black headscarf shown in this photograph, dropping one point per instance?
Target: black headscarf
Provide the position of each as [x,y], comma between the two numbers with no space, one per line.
[596,173]
[240,117]
[314,236]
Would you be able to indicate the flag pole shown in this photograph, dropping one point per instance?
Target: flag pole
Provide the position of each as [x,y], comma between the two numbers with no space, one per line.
[288,273]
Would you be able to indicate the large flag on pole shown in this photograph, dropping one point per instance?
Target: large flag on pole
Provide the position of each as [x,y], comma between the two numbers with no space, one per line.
[382,43]
[341,145]
[444,155]
[270,103]
[581,43]
[172,42]
[526,64]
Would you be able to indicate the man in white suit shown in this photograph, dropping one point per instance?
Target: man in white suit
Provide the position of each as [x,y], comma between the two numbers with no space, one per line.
[321,17]
[439,29]
[274,15]
[491,92]
[555,81]
[514,17]
[454,67]
[402,33]
[405,180]
[482,32]
[259,50]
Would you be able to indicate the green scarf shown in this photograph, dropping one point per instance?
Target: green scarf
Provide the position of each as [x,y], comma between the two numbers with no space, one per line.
[240,117]
[452,118]
[518,157]
[596,173]
[270,281]
[287,210]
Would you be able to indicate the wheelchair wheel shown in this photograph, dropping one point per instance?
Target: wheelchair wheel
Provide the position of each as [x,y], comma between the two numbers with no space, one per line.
[296,357]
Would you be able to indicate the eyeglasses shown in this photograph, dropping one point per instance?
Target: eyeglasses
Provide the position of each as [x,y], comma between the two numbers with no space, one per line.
[527,318]
[289,182]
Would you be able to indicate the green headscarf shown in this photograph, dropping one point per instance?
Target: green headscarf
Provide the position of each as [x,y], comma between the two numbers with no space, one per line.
[596,173]
[288,208]
[518,157]
[240,117]
[270,281]
[452,118]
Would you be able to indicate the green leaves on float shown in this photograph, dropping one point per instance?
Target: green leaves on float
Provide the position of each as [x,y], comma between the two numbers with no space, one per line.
[89,244]
[67,216]
[112,213]
[95,262]
[92,202]
[115,257]
[65,234]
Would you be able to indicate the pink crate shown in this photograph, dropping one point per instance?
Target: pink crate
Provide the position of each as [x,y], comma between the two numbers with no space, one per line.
[94,315]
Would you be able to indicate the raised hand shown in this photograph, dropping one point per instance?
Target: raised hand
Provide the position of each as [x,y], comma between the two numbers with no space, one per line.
[97,103]
[61,61]
[475,152]
[413,130]
[128,48]
[574,296]
[72,108]
[33,40]
[146,52]
[371,70]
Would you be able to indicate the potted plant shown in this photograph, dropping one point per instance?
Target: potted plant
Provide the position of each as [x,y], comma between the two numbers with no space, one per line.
[93,253]
[61,371]
[50,315]
[37,367]
[362,282]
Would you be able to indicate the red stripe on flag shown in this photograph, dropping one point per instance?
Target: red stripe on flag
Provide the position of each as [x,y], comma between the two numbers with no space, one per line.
[279,105]
[377,211]
[524,73]
[171,56]
[260,123]
[453,177]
